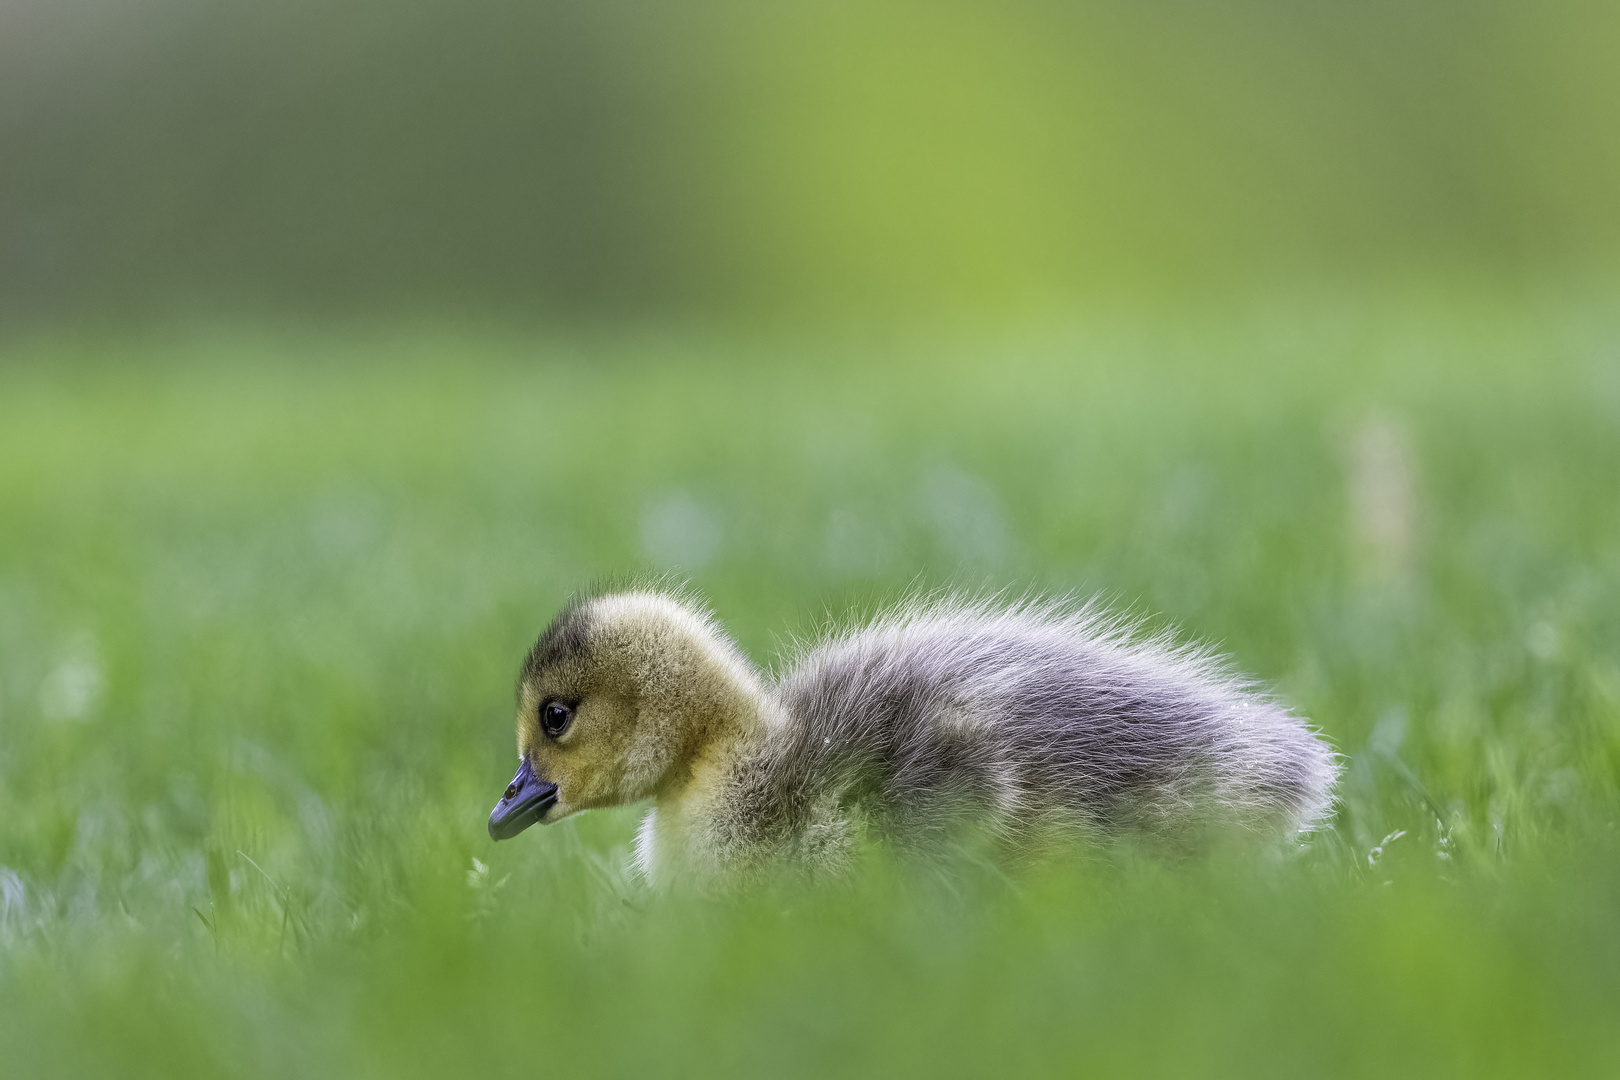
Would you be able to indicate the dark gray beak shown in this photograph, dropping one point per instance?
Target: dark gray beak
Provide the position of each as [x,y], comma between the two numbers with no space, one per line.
[526,801]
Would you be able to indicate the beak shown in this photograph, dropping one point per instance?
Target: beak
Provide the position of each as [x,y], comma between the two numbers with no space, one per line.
[526,801]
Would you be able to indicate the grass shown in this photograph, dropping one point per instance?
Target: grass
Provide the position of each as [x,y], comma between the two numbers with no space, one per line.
[262,596]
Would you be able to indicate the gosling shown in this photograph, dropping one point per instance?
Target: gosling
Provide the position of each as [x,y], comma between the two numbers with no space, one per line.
[1033,722]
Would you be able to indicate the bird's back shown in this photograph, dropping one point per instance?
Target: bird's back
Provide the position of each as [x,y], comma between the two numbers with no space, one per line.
[1024,717]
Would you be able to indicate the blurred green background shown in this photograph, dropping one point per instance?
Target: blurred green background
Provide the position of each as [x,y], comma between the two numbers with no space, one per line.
[340,342]
[625,156]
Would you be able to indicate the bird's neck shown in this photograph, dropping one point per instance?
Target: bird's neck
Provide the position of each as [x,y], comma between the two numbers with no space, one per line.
[681,832]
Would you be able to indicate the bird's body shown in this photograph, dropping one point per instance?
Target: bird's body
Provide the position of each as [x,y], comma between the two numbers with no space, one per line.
[1028,723]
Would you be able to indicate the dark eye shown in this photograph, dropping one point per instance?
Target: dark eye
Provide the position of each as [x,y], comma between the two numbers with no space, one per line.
[554,718]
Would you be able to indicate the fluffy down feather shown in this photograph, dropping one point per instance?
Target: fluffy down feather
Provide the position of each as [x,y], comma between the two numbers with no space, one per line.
[1032,722]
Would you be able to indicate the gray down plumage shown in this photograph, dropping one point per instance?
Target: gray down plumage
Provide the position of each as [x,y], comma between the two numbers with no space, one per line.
[1030,721]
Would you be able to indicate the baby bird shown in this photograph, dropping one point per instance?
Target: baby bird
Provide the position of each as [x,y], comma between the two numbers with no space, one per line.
[1033,721]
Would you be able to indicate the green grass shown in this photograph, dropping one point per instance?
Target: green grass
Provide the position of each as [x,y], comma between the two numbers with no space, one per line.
[262,596]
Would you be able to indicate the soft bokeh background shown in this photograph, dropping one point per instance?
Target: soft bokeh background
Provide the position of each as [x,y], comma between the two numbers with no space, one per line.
[339,342]
[630,157]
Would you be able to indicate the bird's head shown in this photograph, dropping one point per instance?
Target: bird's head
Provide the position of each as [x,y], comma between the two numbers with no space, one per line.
[614,702]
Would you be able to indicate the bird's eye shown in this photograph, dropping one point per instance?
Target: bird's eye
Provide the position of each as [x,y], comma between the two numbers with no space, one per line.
[554,718]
